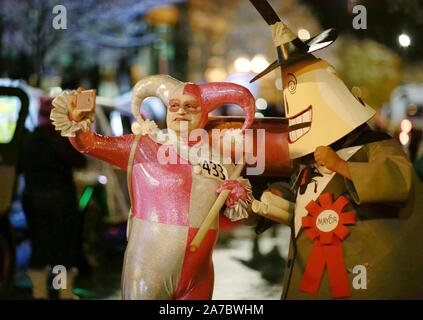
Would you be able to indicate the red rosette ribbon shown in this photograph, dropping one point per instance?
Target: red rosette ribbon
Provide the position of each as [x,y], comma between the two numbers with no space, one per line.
[326,227]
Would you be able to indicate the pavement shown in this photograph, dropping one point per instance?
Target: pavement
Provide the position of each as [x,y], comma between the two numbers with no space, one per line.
[234,280]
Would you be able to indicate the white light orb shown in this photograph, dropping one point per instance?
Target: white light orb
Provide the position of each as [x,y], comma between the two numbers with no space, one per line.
[406,125]
[242,64]
[215,74]
[404,138]
[102,179]
[261,104]
[259,63]
[303,34]
[404,40]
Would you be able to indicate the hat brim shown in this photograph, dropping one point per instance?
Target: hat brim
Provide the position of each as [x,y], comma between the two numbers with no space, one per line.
[320,41]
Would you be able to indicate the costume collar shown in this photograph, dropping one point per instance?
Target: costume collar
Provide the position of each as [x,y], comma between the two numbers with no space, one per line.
[195,154]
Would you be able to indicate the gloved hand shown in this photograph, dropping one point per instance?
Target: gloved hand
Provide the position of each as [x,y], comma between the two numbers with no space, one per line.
[66,118]
[238,192]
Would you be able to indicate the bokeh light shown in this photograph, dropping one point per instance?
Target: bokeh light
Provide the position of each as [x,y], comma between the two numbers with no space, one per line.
[303,34]
[404,138]
[102,179]
[259,63]
[406,125]
[242,64]
[215,74]
[261,104]
[404,40]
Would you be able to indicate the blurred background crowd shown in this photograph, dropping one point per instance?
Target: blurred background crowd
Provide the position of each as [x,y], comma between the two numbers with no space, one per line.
[109,46]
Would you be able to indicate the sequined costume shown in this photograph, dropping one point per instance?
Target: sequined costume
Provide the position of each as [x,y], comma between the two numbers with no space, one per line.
[169,204]
[169,201]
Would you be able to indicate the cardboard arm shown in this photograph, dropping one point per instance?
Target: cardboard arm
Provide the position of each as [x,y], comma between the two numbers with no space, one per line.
[274,208]
[271,212]
[270,198]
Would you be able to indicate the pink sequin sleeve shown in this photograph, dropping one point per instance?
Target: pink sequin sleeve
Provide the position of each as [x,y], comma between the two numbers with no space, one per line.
[113,150]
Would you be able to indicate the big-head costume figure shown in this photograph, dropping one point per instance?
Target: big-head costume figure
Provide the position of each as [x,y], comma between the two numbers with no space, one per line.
[169,200]
[357,215]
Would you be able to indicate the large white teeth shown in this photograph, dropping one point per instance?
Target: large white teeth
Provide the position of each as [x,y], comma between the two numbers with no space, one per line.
[302,118]
[307,116]
[296,134]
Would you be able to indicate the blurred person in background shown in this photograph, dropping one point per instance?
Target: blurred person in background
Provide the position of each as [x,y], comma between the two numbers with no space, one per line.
[50,204]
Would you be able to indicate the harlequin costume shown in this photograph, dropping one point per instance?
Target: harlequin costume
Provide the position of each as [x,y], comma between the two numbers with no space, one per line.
[169,201]
[357,238]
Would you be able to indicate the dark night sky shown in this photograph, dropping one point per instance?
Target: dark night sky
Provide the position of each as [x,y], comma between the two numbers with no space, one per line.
[386,20]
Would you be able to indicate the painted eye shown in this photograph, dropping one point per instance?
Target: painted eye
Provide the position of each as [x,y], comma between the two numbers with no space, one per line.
[292,83]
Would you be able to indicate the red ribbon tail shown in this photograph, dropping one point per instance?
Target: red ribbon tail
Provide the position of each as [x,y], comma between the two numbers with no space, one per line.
[337,272]
[314,269]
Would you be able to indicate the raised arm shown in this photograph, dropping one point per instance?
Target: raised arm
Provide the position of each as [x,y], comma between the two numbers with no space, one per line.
[113,150]
[74,123]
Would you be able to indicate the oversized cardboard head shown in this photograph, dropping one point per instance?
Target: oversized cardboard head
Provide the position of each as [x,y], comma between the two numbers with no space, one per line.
[319,107]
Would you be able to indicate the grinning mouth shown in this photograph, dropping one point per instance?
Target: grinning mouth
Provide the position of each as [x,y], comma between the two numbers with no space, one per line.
[299,124]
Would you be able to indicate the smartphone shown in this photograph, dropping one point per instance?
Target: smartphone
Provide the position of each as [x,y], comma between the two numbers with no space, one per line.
[84,100]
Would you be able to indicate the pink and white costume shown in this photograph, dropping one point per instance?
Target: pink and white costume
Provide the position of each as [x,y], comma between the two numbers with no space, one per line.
[169,204]
[169,201]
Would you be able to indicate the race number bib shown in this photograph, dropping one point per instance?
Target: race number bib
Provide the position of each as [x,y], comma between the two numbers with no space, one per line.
[214,170]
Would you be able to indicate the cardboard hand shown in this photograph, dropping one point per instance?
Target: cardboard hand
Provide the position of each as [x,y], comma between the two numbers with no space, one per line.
[82,104]
[328,158]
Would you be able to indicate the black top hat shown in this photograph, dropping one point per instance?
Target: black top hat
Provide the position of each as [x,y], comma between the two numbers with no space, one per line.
[288,46]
